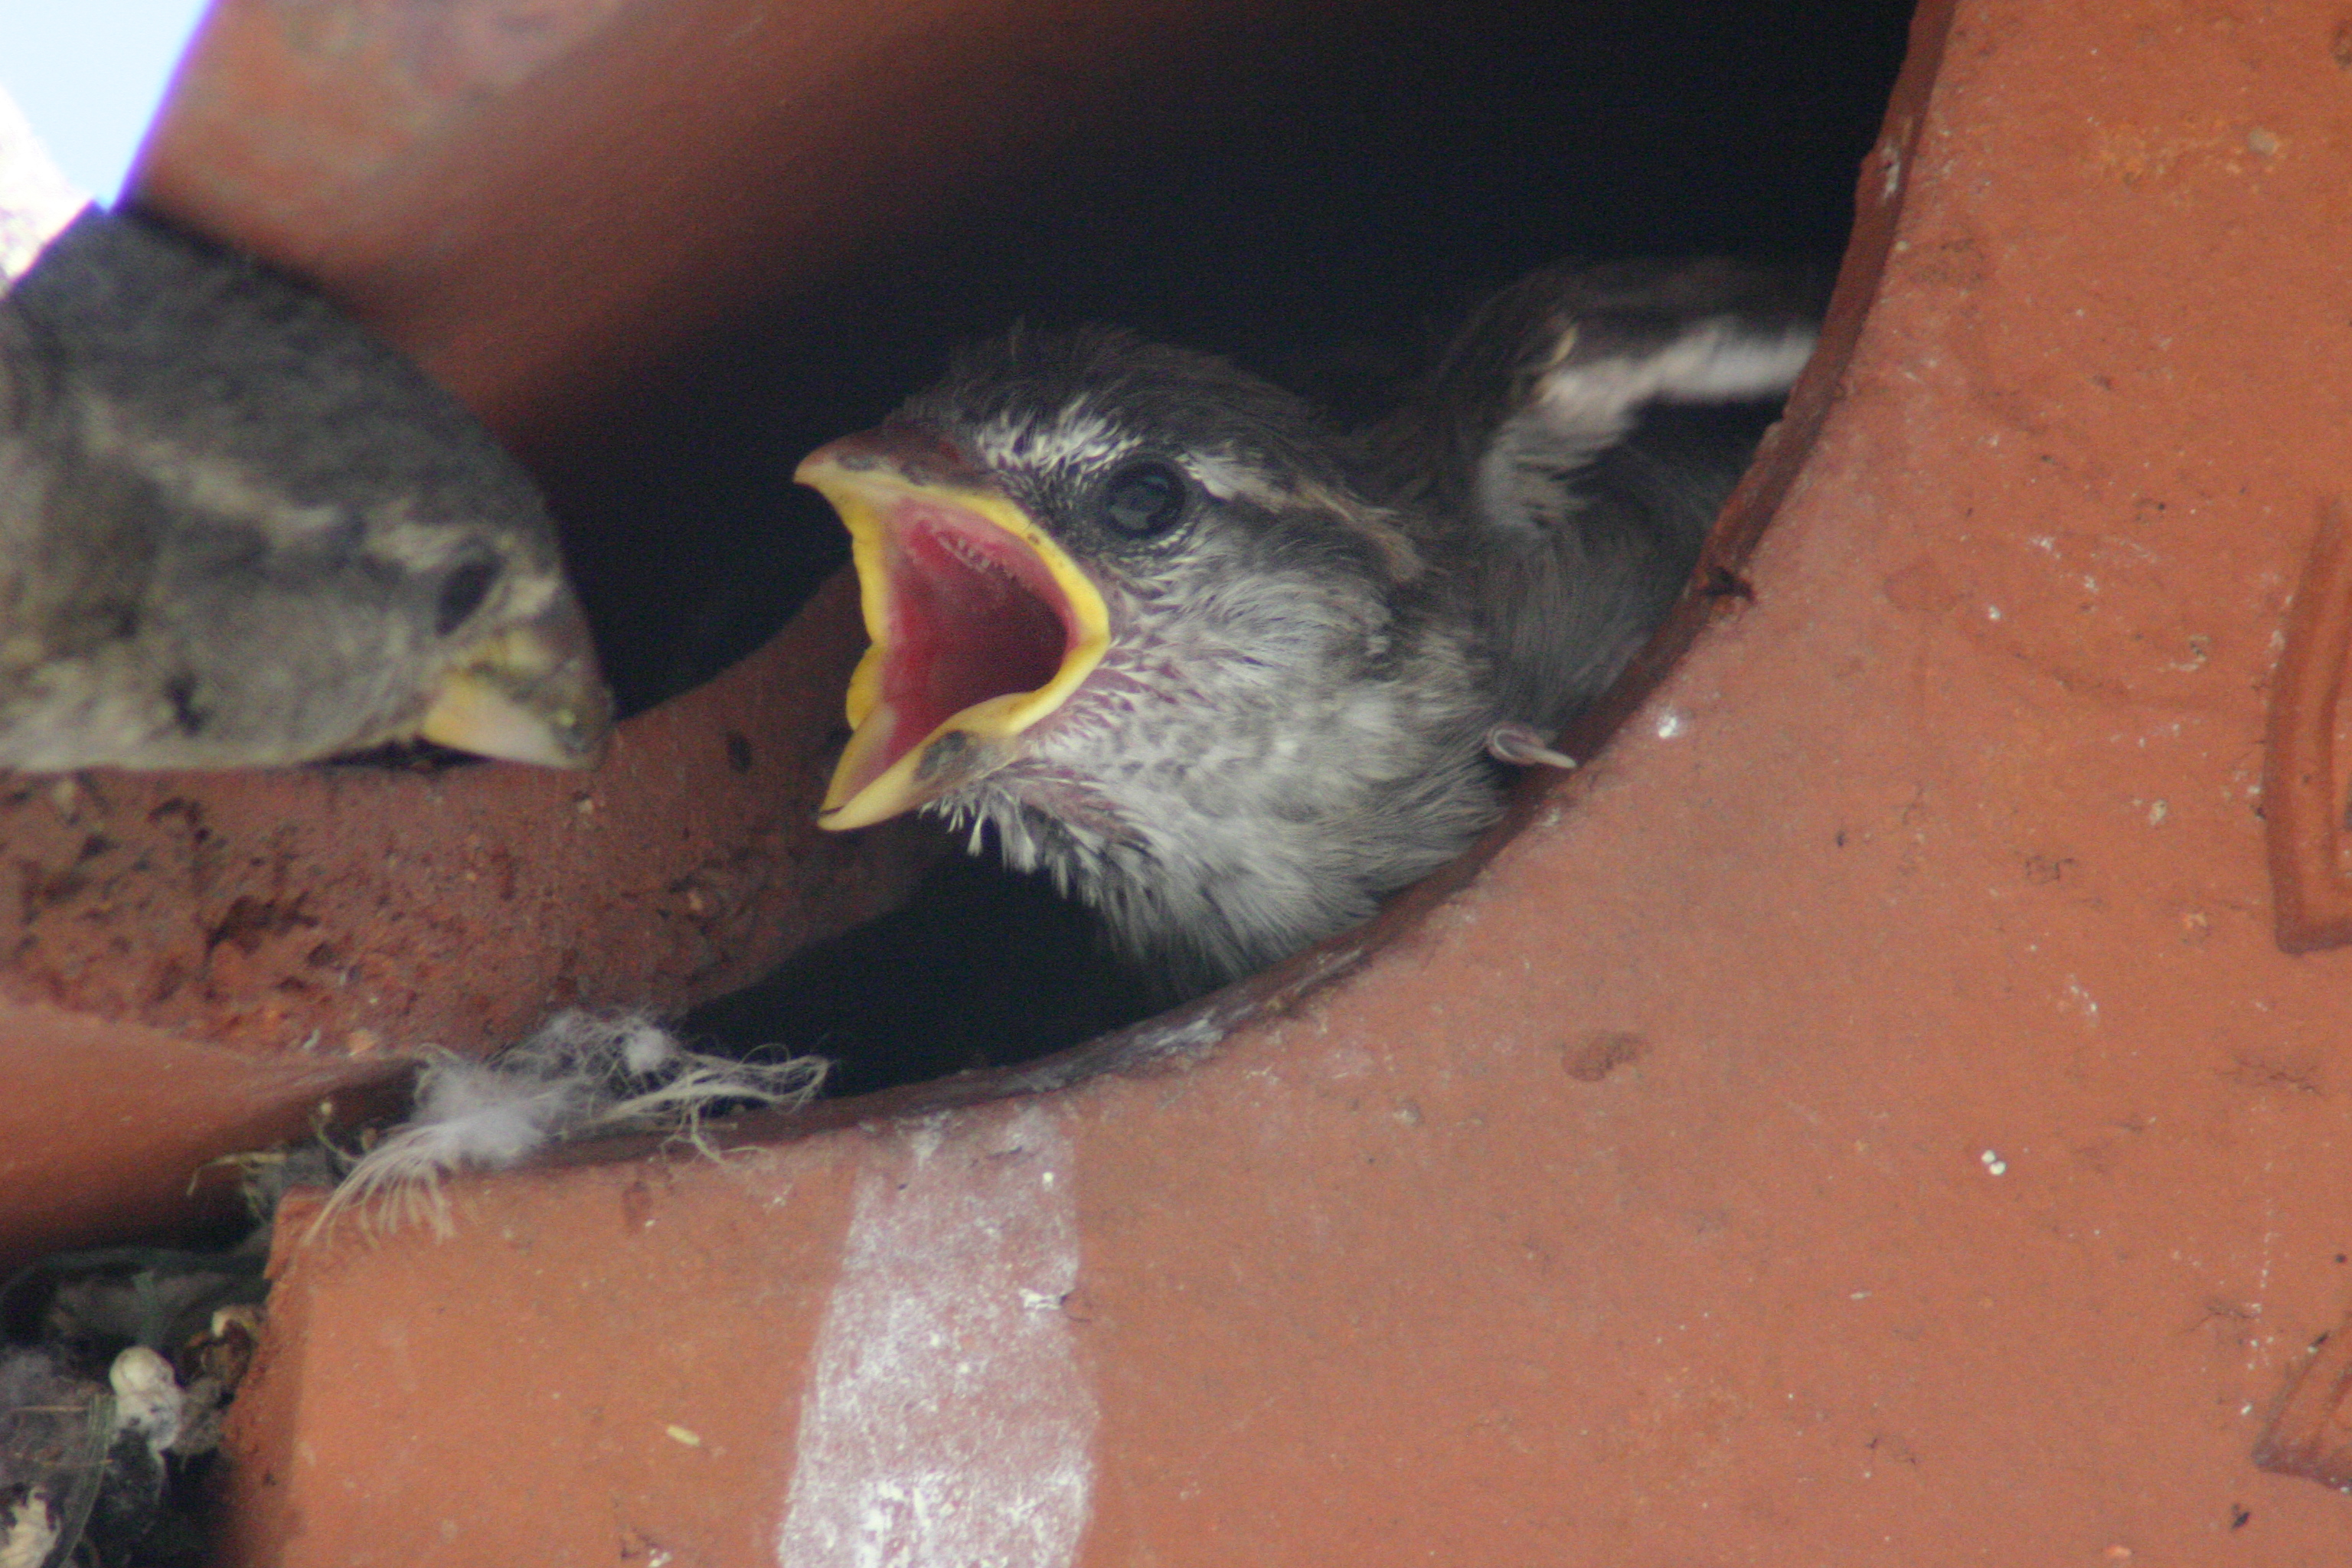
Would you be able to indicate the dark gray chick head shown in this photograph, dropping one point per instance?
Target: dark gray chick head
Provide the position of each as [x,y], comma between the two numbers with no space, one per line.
[235,530]
[1128,605]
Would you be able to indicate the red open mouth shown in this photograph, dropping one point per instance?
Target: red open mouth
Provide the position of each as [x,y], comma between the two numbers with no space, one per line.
[972,616]
[982,625]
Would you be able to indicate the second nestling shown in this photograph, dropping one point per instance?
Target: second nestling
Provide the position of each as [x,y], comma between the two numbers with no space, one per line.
[1230,674]
[236,530]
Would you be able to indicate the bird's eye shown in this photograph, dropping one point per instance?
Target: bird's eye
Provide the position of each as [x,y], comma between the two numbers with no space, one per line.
[1144,499]
[462,593]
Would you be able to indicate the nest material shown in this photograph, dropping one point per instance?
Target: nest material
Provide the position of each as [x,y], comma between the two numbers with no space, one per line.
[580,1075]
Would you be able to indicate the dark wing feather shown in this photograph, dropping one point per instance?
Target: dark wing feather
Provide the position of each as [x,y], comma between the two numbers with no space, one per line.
[1576,442]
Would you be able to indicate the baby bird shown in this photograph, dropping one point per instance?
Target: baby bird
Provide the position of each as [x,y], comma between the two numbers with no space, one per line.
[1231,675]
[236,529]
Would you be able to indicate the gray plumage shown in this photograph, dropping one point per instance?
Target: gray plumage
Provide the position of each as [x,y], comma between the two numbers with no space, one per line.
[235,529]
[1314,664]
[1575,443]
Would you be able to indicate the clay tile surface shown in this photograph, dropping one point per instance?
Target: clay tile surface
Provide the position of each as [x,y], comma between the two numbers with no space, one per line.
[1867,1115]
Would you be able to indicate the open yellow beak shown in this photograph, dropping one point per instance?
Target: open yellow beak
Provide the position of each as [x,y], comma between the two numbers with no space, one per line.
[530,693]
[981,623]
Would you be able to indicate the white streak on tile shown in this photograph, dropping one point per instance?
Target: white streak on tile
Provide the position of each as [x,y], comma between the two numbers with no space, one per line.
[948,1422]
